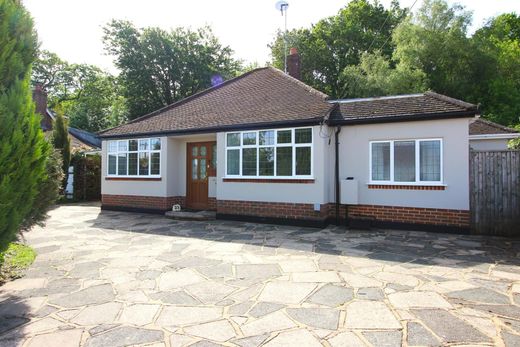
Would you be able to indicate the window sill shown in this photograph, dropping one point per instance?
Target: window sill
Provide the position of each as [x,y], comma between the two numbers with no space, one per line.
[270,180]
[406,186]
[114,178]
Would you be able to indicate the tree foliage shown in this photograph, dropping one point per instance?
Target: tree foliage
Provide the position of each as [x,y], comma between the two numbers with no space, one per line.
[337,42]
[61,142]
[48,191]
[159,67]
[23,149]
[90,97]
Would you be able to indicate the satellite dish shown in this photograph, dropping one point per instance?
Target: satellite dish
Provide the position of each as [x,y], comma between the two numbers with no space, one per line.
[281,5]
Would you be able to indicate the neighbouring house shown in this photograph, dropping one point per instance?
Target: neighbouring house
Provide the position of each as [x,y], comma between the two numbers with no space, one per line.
[488,136]
[266,147]
[80,140]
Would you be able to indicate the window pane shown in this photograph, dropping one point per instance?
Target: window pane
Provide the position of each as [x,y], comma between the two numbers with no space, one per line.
[266,137]
[233,159]
[303,160]
[156,143]
[404,161]
[121,161]
[112,146]
[203,151]
[194,169]
[133,145]
[132,163]
[195,151]
[203,169]
[249,162]
[214,157]
[430,154]
[233,139]
[284,136]
[144,145]
[266,161]
[143,164]
[303,135]
[381,161]
[249,139]
[111,164]
[155,167]
[284,161]
[123,146]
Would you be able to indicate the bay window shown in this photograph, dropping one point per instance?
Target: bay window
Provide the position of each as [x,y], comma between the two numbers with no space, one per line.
[139,157]
[406,161]
[280,153]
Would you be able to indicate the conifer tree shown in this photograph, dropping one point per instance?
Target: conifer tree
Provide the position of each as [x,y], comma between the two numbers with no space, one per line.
[61,142]
[23,148]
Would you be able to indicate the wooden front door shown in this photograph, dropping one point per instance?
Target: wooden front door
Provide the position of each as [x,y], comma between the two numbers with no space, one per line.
[201,165]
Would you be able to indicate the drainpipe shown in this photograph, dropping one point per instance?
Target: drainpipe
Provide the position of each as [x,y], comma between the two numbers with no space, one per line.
[336,172]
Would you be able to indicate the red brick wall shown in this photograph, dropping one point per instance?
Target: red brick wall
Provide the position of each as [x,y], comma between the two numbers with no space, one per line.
[412,215]
[271,209]
[147,202]
[212,204]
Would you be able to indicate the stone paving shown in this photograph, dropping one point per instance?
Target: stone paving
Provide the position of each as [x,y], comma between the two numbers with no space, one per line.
[117,279]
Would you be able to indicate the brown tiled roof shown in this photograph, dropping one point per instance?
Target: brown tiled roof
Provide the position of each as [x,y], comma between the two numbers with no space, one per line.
[484,127]
[429,104]
[259,97]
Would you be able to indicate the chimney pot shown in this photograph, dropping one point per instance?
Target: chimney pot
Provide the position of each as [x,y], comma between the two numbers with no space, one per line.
[293,50]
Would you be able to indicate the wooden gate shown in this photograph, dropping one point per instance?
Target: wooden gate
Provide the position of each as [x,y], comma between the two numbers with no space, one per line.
[495,192]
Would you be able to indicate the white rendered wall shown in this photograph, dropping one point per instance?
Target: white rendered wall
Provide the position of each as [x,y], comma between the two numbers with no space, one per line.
[354,162]
[489,145]
[309,193]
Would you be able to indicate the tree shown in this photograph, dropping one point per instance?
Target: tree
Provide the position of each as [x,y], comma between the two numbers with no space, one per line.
[23,149]
[61,142]
[374,76]
[434,40]
[337,42]
[89,96]
[497,46]
[159,67]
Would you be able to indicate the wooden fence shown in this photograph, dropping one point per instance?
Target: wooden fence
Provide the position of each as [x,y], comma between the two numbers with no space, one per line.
[495,192]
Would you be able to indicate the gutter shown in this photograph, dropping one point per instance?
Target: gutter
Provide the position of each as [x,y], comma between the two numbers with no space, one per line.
[405,118]
[234,127]
[495,136]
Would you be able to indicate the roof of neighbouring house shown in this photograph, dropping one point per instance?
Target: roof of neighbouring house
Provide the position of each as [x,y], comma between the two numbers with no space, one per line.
[88,138]
[426,105]
[484,127]
[261,97]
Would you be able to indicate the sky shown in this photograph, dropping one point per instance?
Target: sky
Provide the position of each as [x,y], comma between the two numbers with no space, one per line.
[73,28]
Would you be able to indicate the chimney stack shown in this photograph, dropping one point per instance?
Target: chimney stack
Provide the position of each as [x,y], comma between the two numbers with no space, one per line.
[40,100]
[293,63]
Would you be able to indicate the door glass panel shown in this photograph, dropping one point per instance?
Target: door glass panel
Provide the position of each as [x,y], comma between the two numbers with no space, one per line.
[194,169]
[214,157]
[194,151]
[203,169]
[203,151]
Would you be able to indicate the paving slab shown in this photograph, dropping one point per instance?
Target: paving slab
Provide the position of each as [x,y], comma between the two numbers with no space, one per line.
[125,336]
[324,318]
[370,315]
[299,337]
[331,295]
[448,327]
[418,335]
[384,338]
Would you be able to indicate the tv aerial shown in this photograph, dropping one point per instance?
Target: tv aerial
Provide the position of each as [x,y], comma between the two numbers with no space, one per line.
[282,6]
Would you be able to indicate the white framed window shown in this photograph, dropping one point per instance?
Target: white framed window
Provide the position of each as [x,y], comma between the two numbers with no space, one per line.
[417,161]
[273,153]
[134,158]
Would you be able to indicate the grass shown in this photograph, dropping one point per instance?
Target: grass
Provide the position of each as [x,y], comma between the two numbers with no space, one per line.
[16,258]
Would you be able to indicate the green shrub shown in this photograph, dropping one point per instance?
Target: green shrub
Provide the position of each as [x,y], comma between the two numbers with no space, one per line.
[48,191]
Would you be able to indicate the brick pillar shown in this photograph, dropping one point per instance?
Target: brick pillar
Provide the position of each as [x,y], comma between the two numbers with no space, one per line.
[40,100]
[293,64]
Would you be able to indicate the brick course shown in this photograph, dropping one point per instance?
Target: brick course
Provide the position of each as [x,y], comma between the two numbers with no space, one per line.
[410,215]
[146,202]
[272,209]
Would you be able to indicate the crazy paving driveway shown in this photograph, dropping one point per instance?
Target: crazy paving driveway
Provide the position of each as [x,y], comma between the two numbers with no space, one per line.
[117,279]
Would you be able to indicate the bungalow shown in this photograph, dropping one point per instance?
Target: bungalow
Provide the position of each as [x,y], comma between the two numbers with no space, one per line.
[266,147]
[488,136]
